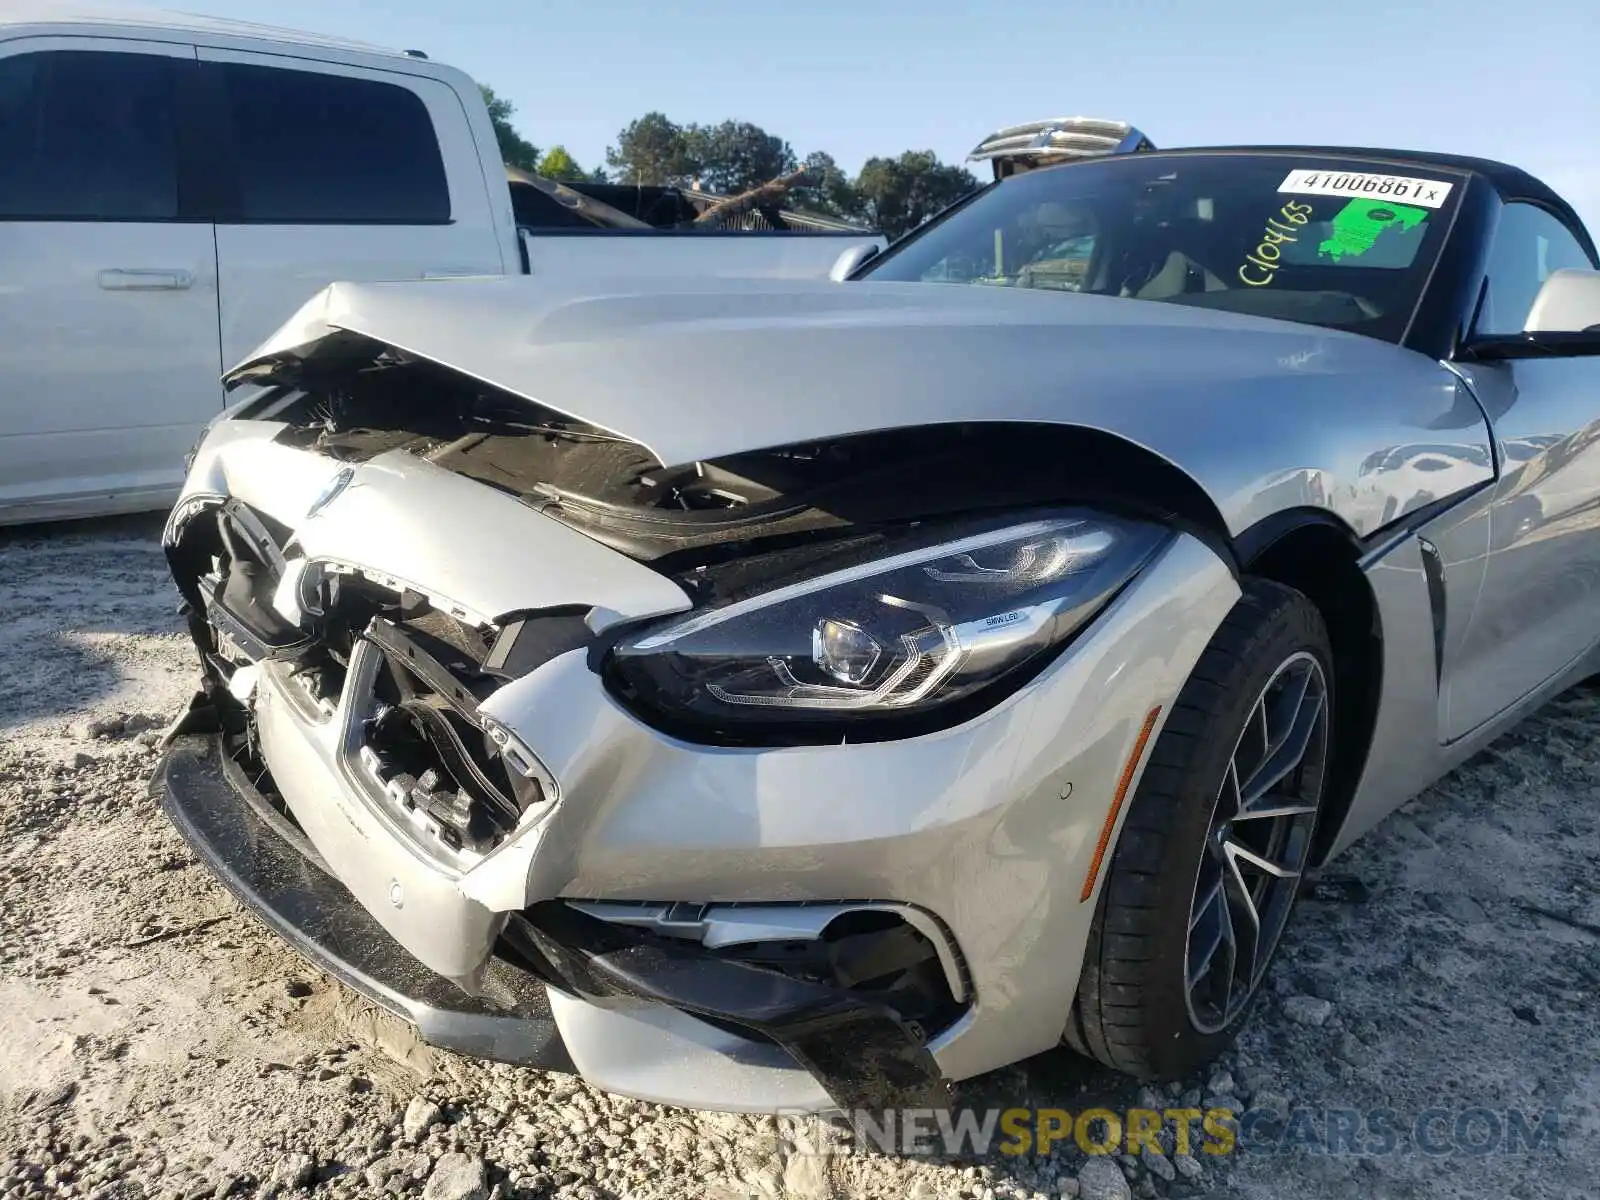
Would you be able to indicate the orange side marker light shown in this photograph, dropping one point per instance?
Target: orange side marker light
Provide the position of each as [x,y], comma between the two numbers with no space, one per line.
[1135,756]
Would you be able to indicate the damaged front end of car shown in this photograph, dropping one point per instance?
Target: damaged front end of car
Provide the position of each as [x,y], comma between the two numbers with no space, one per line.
[359,598]
[733,783]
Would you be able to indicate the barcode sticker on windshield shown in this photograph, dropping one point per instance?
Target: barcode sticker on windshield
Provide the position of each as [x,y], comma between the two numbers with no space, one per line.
[1430,193]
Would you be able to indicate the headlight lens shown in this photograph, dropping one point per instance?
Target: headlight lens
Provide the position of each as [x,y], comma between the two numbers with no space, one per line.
[900,636]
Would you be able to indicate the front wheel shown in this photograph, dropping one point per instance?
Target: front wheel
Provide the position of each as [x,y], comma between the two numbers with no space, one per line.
[1214,845]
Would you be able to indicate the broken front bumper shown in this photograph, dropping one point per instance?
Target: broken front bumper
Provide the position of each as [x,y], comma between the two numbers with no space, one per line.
[983,838]
[267,863]
[860,1054]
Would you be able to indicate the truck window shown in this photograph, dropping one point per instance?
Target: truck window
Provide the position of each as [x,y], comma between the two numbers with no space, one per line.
[314,148]
[88,135]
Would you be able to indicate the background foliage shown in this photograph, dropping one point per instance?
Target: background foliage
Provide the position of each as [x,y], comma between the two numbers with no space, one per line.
[893,194]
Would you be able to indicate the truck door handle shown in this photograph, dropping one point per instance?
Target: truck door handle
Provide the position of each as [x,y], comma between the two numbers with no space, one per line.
[141,279]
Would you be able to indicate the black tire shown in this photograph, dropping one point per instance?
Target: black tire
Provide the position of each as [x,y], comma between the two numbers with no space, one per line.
[1132,1012]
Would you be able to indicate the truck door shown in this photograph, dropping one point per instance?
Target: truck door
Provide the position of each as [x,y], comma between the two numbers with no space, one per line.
[339,172]
[108,304]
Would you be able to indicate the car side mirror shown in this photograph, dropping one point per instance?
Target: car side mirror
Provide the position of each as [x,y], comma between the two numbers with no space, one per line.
[1564,322]
[848,263]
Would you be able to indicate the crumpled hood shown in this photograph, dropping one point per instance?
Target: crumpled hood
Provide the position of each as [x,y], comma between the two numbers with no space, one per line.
[700,369]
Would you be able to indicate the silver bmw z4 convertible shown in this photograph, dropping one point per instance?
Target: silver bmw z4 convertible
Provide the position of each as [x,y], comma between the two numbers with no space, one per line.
[755,693]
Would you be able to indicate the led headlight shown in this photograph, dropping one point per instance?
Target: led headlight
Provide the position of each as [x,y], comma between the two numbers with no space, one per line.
[901,635]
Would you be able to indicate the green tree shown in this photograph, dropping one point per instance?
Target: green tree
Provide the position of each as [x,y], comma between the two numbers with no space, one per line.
[828,189]
[652,150]
[515,150]
[737,155]
[898,194]
[556,163]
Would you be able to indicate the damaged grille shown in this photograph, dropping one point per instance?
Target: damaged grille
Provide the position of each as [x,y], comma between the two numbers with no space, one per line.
[427,748]
[398,681]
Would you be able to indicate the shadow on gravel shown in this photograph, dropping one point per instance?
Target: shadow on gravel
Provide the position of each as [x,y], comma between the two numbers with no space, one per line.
[70,592]
[1056,1079]
[133,525]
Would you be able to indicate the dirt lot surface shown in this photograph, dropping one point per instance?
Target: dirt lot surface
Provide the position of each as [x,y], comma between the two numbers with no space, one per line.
[1429,1010]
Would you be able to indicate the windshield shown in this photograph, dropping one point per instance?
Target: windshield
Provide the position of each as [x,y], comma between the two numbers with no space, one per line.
[1325,241]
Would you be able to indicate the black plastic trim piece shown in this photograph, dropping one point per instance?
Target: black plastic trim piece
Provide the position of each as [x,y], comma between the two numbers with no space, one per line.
[864,1054]
[1433,570]
[528,640]
[294,897]
[408,652]
[1255,541]
[1513,346]
[208,114]
[202,189]
[1450,291]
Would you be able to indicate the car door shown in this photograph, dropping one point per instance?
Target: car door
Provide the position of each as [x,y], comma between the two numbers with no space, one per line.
[108,304]
[1538,608]
[339,173]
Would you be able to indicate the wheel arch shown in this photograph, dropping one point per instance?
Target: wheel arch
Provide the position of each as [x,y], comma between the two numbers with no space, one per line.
[1315,553]
[1046,462]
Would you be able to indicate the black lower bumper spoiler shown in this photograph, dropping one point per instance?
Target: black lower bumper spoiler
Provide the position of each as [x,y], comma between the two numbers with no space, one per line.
[274,873]
[862,1053]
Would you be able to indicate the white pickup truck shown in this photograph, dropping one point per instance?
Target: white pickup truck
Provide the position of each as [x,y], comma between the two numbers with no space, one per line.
[173,187]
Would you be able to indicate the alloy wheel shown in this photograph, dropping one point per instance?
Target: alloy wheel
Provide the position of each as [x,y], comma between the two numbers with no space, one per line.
[1258,843]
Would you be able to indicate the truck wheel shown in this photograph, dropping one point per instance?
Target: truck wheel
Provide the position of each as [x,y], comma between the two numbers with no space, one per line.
[1214,845]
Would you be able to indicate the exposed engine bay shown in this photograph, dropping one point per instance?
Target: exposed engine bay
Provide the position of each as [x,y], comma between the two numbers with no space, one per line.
[616,492]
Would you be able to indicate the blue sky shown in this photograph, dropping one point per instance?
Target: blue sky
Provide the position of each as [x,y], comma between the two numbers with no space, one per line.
[861,77]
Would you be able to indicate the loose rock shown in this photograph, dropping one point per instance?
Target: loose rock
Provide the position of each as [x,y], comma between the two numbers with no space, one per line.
[380,1172]
[1157,1164]
[420,1114]
[1270,1105]
[457,1177]
[1101,1179]
[805,1176]
[1307,1010]
[56,1093]
[296,1170]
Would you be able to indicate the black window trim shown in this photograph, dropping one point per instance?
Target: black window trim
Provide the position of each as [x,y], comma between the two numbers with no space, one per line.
[1447,303]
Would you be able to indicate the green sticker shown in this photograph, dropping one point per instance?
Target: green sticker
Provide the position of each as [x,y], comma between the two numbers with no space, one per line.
[1360,223]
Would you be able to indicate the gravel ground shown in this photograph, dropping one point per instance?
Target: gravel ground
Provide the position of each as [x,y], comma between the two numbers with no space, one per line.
[154,1041]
